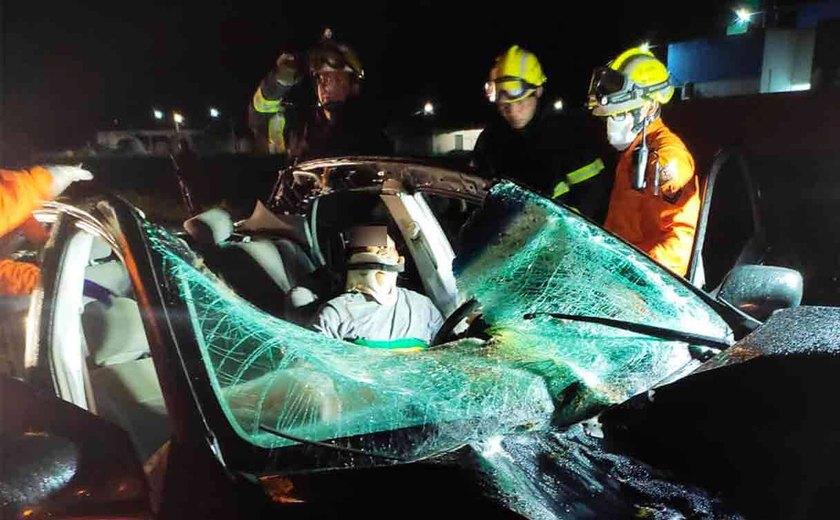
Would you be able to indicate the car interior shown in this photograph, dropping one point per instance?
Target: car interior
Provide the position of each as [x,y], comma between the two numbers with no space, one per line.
[123,383]
[286,274]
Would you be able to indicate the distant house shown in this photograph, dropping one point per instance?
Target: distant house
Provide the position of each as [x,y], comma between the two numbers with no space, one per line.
[143,142]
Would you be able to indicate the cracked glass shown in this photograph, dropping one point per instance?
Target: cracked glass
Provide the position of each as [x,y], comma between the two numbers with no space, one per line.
[519,253]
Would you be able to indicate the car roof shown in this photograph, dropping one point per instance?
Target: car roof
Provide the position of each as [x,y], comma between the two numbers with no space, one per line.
[313,179]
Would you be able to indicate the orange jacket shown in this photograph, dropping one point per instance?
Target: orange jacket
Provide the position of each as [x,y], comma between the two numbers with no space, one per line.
[663,226]
[21,192]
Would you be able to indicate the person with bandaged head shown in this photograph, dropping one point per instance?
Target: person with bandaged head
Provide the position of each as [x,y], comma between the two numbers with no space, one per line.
[373,311]
[22,192]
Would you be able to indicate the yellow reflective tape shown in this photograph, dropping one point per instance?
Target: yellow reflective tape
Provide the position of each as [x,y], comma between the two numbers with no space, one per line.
[263,105]
[276,141]
[561,188]
[585,173]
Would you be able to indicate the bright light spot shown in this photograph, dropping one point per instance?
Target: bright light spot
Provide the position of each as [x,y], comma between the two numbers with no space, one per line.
[158,114]
[558,105]
[178,118]
[214,113]
[492,447]
[743,15]
[645,46]
[428,108]
[800,86]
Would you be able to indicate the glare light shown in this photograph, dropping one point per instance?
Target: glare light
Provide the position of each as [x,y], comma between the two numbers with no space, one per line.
[158,114]
[558,105]
[214,113]
[645,46]
[801,86]
[178,118]
[428,108]
[743,15]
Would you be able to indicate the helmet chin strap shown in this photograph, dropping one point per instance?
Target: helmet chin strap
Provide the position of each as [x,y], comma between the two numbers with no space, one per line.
[640,124]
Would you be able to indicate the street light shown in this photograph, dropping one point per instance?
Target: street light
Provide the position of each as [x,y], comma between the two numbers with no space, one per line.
[179,120]
[428,109]
[743,15]
[158,114]
[558,105]
[214,113]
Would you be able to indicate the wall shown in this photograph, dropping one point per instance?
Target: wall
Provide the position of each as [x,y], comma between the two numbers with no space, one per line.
[443,143]
[788,55]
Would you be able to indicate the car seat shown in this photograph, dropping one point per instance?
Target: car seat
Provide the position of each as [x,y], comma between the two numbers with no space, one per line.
[265,271]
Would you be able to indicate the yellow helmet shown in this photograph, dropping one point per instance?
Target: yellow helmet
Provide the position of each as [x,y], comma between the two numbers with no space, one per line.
[515,75]
[629,80]
[329,55]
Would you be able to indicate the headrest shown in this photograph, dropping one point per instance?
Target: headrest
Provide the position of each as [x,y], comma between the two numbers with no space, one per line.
[262,220]
[212,227]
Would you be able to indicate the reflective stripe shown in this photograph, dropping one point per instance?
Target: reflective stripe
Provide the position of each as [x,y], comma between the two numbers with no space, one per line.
[561,188]
[585,173]
[276,140]
[263,105]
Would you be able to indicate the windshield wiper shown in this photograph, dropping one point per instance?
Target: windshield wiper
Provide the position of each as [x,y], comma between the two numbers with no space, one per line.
[640,328]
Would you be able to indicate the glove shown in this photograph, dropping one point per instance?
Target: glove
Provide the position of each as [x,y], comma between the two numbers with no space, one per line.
[287,70]
[63,176]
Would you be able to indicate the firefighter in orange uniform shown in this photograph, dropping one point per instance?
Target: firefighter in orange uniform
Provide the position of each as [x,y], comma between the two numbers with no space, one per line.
[21,192]
[655,201]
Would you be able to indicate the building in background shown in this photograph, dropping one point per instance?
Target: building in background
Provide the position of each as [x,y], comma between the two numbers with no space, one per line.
[790,52]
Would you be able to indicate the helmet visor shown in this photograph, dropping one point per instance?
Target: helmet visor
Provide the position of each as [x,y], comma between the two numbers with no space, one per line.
[606,85]
[508,90]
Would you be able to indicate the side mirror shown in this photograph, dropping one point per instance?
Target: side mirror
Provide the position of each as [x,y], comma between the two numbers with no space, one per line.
[58,460]
[760,290]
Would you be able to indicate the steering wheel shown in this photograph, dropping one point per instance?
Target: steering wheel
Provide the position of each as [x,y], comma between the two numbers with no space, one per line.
[445,333]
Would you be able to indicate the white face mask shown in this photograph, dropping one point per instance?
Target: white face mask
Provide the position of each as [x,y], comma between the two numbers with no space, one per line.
[620,133]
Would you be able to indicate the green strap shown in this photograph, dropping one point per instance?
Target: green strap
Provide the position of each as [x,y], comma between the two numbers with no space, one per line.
[585,173]
[394,344]
[560,189]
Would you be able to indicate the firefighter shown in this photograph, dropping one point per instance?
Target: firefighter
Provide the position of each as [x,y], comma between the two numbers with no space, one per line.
[339,124]
[655,200]
[21,192]
[531,142]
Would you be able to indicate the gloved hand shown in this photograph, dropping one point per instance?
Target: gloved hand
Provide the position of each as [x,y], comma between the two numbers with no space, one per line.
[63,176]
[287,69]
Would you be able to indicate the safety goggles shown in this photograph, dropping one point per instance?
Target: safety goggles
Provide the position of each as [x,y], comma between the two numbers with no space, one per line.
[610,87]
[330,59]
[508,90]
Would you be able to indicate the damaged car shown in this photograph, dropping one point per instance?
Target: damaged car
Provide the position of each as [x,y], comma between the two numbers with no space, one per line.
[573,376]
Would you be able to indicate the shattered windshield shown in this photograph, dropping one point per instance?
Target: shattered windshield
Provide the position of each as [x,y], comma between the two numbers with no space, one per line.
[519,253]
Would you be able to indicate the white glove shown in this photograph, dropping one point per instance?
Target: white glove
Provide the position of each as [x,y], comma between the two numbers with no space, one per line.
[64,176]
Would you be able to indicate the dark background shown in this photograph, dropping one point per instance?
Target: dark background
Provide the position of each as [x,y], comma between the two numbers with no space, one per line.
[70,68]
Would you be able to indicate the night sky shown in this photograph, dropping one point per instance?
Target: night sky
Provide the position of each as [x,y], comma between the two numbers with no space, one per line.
[71,68]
